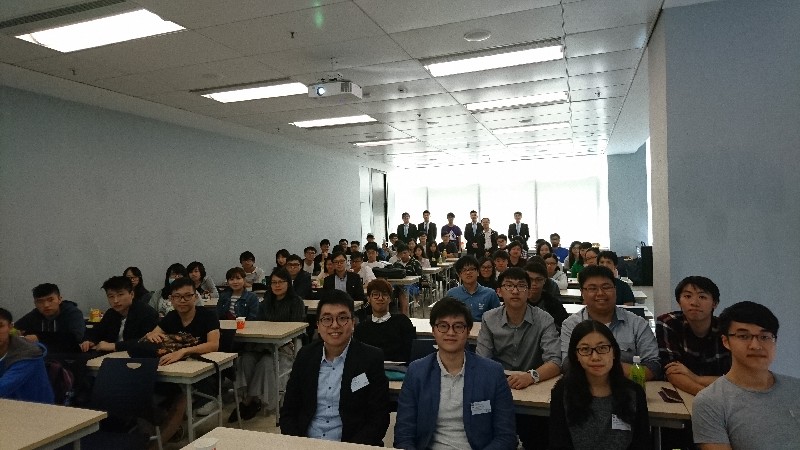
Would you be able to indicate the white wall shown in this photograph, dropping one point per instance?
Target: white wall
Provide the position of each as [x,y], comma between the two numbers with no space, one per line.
[627,201]
[86,192]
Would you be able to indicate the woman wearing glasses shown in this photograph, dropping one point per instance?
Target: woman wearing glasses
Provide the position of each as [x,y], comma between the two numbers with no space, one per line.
[595,405]
[393,333]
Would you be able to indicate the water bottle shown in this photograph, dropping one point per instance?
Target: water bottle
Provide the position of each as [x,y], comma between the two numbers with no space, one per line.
[637,372]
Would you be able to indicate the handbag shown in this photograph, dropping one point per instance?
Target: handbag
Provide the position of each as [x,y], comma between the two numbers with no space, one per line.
[172,342]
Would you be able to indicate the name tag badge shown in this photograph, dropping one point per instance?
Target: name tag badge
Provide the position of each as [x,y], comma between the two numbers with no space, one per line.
[359,382]
[483,407]
[619,424]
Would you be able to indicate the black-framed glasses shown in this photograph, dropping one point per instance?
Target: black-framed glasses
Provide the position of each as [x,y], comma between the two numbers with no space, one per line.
[444,327]
[511,287]
[341,320]
[277,282]
[601,349]
[182,298]
[377,295]
[763,338]
[338,261]
[595,289]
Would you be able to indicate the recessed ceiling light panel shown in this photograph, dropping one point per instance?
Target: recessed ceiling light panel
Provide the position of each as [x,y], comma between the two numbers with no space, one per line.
[349,120]
[529,100]
[513,55]
[255,91]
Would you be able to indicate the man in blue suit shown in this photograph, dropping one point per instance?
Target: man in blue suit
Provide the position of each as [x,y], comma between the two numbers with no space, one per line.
[466,394]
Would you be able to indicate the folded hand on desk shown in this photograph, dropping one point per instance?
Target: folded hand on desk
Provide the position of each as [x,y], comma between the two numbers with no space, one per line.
[519,380]
[170,358]
[155,336]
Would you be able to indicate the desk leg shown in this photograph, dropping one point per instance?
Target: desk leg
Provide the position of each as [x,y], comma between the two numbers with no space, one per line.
[657,438]
[76,445]
[276,371]
[189,412]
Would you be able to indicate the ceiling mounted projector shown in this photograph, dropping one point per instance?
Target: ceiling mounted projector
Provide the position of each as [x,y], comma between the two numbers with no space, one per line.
[333,88]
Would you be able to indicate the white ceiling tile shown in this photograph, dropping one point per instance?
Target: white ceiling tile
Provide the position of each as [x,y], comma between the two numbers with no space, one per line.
[599,93]
[590,15]
[535,120]
[424,124]
[180,99]
[135,85]
[499,77]
[407,104]
[604,62]
[72,66]
[401,90]
[606,41]
[433,114]
[601,79]
[14,9]
[216,74]
[374,74]
[512,90]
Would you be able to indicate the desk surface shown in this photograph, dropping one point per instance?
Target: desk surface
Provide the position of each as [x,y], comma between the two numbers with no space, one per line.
[234,439]
[432,270]
[26,425]
[185,368]
[265,330]
[312,305]
[424,328]
[409,279]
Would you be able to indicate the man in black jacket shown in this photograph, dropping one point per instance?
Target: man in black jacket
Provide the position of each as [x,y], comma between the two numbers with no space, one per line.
[337,389]
[519,231]
[540,297]
[301,280]
[343,280]
[52,314]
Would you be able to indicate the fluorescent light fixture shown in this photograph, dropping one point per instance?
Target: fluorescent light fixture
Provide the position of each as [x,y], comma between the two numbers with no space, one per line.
[256,91]
[512,55]
[539,127]
[384,142]
[528,100]
[103,31]
[559,144]
[333,121]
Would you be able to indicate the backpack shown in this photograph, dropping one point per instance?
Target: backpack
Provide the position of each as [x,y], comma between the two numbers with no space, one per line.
[62,380]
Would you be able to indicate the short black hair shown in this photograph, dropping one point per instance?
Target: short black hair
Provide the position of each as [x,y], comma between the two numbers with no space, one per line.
[536,267]
[355,243]
[6,315]
[594,271]
[552,235]
[324,242]
[512,244]
[473,212]
[294,257]
[401,247]
[311,248]
[335,297]
[584,245]
[426,212]
[338,253]
[181,282]
[466,261]
[197,264]
[594,250]
[356,255]
[236,271]
[608,254]
[501,254]
[391,235]
[517,212]
[45,289]
[117,283]
[371,246]
[700,283]
[405,214]
[748,312]
[449,215]
[514,273]
[449,306]
[247,255]
[503,237]
[379,285]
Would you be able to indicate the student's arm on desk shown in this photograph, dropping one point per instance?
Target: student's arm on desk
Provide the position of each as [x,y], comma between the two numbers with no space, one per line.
[211,345]
[686,380]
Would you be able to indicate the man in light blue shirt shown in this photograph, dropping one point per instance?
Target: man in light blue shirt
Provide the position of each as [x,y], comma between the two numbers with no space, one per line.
[478,298]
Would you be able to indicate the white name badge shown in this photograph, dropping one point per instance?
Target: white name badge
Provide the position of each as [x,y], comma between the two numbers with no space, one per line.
[619,424]
[481,407]
[359,382]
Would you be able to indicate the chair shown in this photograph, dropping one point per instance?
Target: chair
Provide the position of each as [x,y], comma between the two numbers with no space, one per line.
[124,389]
[421,348]
[226,344]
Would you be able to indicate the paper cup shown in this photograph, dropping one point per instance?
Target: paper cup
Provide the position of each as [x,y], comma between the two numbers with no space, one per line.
[240,323]
[206,444]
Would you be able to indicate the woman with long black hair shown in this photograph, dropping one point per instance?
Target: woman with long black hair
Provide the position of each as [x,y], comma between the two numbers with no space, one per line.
[160,299]
[140,293]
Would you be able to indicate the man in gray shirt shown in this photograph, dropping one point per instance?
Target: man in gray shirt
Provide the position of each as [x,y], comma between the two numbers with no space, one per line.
[524,340]
[750,407]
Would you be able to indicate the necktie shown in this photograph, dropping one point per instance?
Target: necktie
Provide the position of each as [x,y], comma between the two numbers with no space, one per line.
[426,227]
[405,227]
[517,228]
[474,228]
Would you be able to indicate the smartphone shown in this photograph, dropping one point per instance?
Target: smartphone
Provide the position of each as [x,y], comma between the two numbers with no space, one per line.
[670,395]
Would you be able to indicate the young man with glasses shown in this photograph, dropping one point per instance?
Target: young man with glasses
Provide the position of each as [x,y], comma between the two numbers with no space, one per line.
[538,296]
[309,265]
[301,280]
[633,333]
[478,298]
[750,407]
[454,398]
[343,280]
[337,389]
[524,340]
[392,333]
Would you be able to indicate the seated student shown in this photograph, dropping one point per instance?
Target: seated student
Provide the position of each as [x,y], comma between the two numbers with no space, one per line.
[236,301]
[412,268]
[202,281]
[371,240]
[486,273]
[524,340]
[392,246]
[125,322]
[52,314]
[255,372]
[609,259]
[140,293]
[392,333]
[550,286]
[478,299]
[357,266]
[454,398]
[447,245]
[554,272]
[432,252]
[309,265]
[319,260]
[419,255]
[337,389]
[501,261]
[502,242]
[355,247]
[540,297]
[750,407]
[201,323]
[23,375]
[543,248]
[281,256]
[160,299]
[595,405]
[573,257]
[327,270]
[373,257]
[253,273]
[578,265]
[515,258]
[631,331]
[343,280]
[300,279]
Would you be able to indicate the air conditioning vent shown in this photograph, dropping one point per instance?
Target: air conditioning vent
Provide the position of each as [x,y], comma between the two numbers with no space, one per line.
[60,12]
[347,87]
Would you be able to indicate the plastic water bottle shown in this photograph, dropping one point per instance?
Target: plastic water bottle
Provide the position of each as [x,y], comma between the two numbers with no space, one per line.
[637,372]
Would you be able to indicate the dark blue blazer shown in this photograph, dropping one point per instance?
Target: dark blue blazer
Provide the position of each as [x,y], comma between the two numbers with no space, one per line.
[418,405]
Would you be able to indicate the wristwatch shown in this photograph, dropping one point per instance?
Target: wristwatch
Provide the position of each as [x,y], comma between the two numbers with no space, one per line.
[535,375]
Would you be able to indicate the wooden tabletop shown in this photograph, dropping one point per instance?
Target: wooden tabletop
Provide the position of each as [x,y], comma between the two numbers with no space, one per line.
[409,279]
[265,330]
[26,425]
[235,439]
[432,270]
[312,305]
[658,408]
[423,327]
[185,368]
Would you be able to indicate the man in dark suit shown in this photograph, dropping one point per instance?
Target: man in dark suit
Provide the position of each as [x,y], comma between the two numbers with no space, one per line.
[343,280]
[337,389]
[406,230]
[301,280]
[485,248]
[471,232]
[427,227]
[519,231]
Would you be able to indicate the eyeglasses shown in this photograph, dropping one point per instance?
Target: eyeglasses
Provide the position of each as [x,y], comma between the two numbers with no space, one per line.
[601,349]
[444,327]
[468,270]
[606,288]
[748,337]
[338,261]
[377,295]
[511,287]
[341,320]
[181,298]
[277,282]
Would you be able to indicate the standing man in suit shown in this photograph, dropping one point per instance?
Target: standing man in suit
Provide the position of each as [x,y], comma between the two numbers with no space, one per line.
[519,230]
[343,280]
[406,230]
[471,232]
[486,239]
[427,227]
[337,389]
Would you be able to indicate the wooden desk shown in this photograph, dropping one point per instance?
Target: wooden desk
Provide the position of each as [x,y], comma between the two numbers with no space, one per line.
[424,328]
[312,305]
[27,425]
[185,373]
[234,439]
[409,279]
[574,296]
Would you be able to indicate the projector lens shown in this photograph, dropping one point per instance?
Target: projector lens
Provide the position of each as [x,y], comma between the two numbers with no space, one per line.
[320,90]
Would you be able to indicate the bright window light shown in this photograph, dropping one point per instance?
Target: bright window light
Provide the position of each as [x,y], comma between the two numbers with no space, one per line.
[385,142]
[253,93]
[539,127]
[103,31]
[538,99]
[495,61]
[334,121]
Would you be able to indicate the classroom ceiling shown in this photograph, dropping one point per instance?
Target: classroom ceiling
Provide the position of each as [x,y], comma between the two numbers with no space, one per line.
[377,44]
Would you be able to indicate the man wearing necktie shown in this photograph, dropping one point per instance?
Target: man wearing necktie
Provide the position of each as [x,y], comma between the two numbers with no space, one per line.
[406,230]
[427,227]
[519,231]
[471,232]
